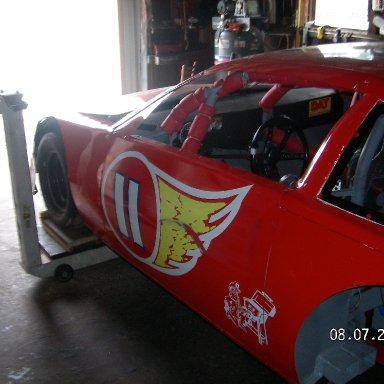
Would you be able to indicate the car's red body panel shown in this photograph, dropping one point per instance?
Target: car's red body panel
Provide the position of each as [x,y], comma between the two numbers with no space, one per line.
[326,66]
[281,251]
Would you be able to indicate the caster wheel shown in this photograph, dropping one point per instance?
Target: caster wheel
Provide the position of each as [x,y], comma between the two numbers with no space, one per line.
[64,273]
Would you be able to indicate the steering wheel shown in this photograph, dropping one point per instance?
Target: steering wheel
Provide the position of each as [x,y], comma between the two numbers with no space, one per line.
[179,137]
[276,143]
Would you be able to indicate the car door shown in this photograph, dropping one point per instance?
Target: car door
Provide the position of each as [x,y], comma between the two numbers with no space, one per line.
[200,227]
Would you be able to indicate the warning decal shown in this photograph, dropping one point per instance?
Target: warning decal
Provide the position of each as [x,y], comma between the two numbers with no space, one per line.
[319,106]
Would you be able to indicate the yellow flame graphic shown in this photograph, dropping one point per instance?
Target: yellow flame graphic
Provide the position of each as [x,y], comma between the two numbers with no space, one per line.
[182,220]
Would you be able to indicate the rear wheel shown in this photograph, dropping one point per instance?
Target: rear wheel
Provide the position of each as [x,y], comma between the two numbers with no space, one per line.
[54,183]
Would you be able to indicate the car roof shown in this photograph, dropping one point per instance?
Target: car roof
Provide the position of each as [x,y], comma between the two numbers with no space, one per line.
[348,66]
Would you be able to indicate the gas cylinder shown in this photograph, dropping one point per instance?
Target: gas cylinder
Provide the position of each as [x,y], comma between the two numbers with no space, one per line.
[230,44]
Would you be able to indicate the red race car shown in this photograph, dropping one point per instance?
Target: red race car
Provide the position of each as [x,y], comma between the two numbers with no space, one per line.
[254,193]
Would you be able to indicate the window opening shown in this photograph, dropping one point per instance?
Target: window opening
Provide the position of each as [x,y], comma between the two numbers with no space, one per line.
[357,182]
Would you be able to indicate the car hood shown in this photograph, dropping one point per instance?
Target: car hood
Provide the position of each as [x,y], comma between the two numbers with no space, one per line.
[113,109]
[104,109]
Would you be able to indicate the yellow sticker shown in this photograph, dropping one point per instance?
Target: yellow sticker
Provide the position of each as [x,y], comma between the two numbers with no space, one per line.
[183,219]
[320,106]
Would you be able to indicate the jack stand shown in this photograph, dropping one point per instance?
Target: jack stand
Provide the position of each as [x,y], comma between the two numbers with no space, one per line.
[11,107]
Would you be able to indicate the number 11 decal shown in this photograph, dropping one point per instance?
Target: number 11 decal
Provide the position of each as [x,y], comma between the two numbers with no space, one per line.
[161,221]
[127,195]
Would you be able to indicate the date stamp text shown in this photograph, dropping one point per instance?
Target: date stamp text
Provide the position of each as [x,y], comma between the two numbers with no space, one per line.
[357,334]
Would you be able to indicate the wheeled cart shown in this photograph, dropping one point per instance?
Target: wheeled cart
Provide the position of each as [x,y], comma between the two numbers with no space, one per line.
[42,254]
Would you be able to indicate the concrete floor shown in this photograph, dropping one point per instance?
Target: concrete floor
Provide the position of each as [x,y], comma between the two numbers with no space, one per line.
[109,325]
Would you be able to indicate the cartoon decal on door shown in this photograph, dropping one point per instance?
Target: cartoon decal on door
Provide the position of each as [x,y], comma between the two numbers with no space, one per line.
[252,314]
[161,221]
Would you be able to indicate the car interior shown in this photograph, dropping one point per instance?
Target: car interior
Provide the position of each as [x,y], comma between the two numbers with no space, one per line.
[272,143]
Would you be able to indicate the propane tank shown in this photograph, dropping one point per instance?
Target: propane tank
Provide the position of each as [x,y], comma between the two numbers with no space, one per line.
[236,34]
[232,42]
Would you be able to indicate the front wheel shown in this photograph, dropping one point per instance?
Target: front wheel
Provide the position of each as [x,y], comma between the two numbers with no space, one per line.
[54,183]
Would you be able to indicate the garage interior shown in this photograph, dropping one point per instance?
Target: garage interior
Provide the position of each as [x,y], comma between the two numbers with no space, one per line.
[109,323]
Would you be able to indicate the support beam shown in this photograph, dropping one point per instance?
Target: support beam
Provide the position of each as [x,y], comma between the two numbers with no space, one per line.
[11,107]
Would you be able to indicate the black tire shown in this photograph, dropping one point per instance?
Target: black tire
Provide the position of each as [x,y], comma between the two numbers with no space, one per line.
[54,184]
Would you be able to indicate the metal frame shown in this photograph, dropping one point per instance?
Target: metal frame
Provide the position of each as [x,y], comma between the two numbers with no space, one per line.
[32,260]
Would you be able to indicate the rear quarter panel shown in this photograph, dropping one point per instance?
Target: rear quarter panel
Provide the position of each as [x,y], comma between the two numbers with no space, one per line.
[321,251]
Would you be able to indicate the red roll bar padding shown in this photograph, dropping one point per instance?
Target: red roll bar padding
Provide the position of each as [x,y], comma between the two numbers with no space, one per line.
[175,120]
[232,83]
[201,98]
[198,129]
[202,120]
[273,96]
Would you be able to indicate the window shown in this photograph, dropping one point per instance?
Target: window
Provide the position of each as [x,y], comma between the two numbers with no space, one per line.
[357,182]
[273,141]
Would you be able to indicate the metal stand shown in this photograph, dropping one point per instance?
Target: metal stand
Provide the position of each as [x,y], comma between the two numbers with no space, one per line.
[11,107]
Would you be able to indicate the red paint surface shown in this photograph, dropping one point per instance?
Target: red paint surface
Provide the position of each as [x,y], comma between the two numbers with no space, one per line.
[287,243]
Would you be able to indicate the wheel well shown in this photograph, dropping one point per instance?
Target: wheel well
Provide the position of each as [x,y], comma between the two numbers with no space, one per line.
[336,329]
[46,125]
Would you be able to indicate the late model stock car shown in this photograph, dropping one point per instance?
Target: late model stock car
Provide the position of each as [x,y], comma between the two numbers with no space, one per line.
[254,193]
